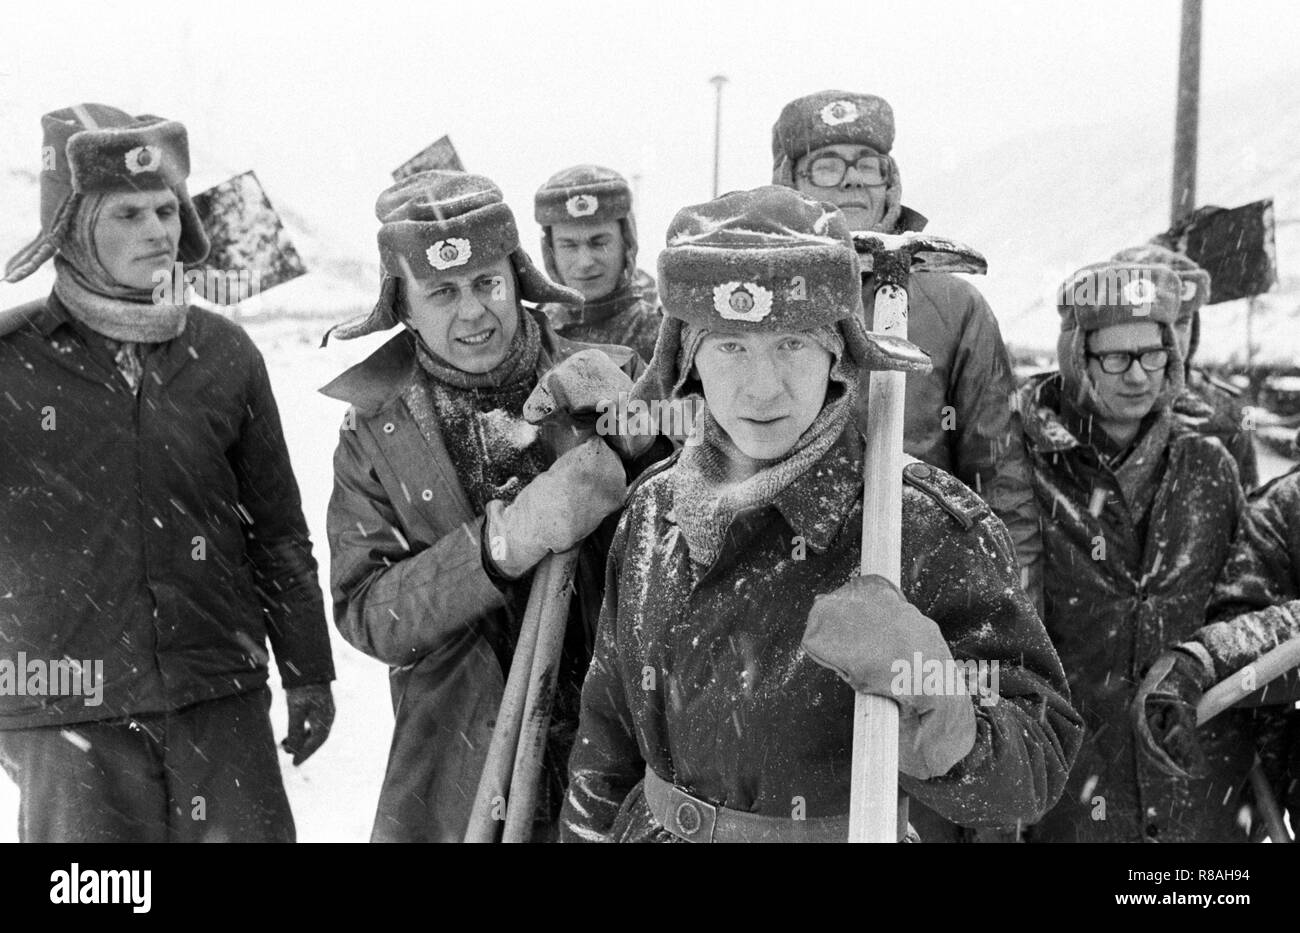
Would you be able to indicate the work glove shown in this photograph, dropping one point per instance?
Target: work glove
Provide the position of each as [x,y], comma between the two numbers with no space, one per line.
[1164,714]
[557,509]
[586,389]
[860,632]
[311,715]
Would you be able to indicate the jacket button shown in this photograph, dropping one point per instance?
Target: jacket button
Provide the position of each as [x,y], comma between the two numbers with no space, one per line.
[389,427]
[427,495]
[688,818]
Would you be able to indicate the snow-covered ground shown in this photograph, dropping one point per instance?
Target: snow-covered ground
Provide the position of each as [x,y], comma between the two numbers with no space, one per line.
[334,794]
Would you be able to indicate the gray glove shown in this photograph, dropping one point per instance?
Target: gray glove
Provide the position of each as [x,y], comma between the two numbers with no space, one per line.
[859,632]
[1164,714]
[557,509]
[582,388]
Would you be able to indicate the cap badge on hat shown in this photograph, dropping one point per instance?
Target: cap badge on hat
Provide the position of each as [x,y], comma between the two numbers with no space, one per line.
[447,253]
[582,205]
[742,301]
[1188,291]
[1140,292]
[143,159]
[840,111]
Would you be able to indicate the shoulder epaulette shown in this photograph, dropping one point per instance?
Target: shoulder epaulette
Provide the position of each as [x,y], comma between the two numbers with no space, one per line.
[954,497]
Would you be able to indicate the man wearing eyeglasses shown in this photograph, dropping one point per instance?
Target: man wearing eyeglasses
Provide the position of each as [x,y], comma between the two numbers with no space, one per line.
[1139,511]
[834,146]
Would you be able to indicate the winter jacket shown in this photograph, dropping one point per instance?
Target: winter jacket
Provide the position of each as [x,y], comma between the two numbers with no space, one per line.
[1256,602]
[1131,557]
[630,319]
[160,533]
[1214,409]
[699,674]
[411,589]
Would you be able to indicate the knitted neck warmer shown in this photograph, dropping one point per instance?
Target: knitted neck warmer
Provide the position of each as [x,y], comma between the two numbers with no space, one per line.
[707,497]
[479,415]
[103,304]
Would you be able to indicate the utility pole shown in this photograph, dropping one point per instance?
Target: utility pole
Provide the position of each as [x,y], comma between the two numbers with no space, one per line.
[1186,116]
[717,81]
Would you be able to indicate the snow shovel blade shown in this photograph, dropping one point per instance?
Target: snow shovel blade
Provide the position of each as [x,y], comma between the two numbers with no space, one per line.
[1236,246]
[439,154]
[248,239]
[929,253]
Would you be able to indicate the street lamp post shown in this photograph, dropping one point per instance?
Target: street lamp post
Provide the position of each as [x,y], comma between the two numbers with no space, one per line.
[717,81]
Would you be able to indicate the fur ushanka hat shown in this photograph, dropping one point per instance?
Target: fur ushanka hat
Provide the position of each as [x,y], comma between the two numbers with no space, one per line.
[435,221]
[1107,293]
[769,259]
[587,193]
[94,148]
[1194,284]
[828,118]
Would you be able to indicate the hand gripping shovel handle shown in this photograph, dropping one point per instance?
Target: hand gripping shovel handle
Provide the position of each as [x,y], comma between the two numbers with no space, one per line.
[873,798]
[1236,687]
[519,738]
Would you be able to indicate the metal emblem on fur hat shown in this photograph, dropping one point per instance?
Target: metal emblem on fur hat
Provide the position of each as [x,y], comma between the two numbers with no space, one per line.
[840,111]
[582,205]
[742,301]
[143,159]
[444,254]
[1140,292]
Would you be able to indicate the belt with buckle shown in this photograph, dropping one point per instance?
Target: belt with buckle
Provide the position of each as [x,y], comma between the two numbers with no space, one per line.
[696,820]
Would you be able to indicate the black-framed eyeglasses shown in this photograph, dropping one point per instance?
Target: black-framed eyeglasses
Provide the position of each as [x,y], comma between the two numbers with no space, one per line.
[1117,362]
[827,171]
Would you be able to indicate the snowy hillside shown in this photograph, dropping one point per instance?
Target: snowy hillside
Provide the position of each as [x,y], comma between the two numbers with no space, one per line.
[1043,205]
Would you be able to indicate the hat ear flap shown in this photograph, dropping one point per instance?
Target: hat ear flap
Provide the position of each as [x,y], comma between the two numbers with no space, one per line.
[32,256]
[660,379]
[194,245]
[383,316]
[628,226]
[893,199]
[783,171]
[548,255]
[537,288]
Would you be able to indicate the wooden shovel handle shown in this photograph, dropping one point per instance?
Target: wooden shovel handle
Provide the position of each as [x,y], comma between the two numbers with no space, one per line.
[1236,687]
[873,796]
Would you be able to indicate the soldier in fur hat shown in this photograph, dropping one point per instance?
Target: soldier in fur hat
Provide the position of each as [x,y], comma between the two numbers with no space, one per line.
[446,498]
[735,627]
[589,243]
[153,531]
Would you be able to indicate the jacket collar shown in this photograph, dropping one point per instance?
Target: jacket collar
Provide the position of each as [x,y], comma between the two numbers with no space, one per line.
[817,504]
[385,374]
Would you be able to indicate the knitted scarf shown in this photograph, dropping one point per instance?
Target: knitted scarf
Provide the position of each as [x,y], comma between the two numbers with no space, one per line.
[126,317]
[479,415]
[708,496]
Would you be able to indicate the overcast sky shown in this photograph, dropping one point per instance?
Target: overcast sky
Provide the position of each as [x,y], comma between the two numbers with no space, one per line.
[323,100]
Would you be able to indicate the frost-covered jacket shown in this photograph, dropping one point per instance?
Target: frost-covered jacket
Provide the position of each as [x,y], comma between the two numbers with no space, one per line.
[628,318]
[1256,603]
[959,416]
[1209,407]
[1121,589]
[160,533]
[410,589]
[699,674]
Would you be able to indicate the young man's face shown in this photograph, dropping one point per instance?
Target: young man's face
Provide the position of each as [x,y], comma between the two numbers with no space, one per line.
[137,234]
[589,256]
[860,193]
[468,317]
[1129,396]
[764,389]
